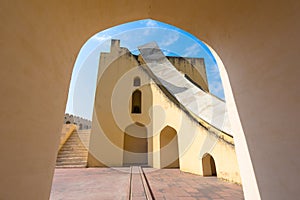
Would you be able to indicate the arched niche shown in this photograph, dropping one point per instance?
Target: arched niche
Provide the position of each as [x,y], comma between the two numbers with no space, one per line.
[136,102]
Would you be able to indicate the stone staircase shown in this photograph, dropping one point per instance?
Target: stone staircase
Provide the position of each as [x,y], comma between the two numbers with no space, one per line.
[75,150]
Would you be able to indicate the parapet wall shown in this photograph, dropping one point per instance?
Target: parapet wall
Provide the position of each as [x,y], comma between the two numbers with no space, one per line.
[79,121]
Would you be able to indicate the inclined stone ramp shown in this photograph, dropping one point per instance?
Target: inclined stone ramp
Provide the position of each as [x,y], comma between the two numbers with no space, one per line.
[200,104]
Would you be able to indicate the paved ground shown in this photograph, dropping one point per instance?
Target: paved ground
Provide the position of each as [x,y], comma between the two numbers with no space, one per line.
[90,184]
[110,184]
[173,184]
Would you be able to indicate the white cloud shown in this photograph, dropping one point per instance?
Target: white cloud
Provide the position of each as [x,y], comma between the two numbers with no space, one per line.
[166,51]
[169,39]
[101,38]
[192,50]
[151,23]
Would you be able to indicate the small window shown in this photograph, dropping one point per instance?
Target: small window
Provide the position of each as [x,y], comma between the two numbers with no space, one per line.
[137,81]
[136,102]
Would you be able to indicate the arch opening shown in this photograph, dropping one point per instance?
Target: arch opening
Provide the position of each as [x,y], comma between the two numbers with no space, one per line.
[137,109]
[169,153]
[135,147]
[208,165]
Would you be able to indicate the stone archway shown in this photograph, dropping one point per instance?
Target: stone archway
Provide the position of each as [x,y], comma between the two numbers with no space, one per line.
[169,153]
[208,165]
[135,145]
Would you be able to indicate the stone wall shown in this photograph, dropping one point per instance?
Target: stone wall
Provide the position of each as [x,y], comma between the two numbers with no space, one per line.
[79,121]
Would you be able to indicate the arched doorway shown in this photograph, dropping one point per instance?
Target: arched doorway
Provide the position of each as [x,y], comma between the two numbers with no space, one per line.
[208,165]
[169,154]
[135,145]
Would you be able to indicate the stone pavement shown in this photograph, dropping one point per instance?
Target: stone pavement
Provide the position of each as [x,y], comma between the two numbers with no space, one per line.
[114,183]
[90,184]
[174,184]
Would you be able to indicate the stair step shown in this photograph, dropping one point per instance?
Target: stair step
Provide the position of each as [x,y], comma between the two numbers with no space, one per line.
[68,151]
[71,166]
[59,160]
[74,152]
[73,146]
[71,162]
[71,154]
[72,158]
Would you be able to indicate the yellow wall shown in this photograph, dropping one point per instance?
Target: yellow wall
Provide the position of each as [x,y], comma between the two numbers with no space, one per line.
[112,108]
[194,140]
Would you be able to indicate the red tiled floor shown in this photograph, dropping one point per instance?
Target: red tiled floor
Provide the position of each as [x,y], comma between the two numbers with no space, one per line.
[109,183]
[173,184]
[90,184]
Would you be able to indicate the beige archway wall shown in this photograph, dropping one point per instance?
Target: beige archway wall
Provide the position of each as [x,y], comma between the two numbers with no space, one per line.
[257,41]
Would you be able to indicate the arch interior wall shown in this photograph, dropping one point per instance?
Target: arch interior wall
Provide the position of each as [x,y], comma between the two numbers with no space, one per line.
[257,41]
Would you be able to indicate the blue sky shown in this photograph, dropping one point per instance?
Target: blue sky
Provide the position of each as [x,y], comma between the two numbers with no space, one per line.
[172,40]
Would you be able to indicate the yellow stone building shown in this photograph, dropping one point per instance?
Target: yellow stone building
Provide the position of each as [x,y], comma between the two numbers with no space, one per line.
[136,121]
